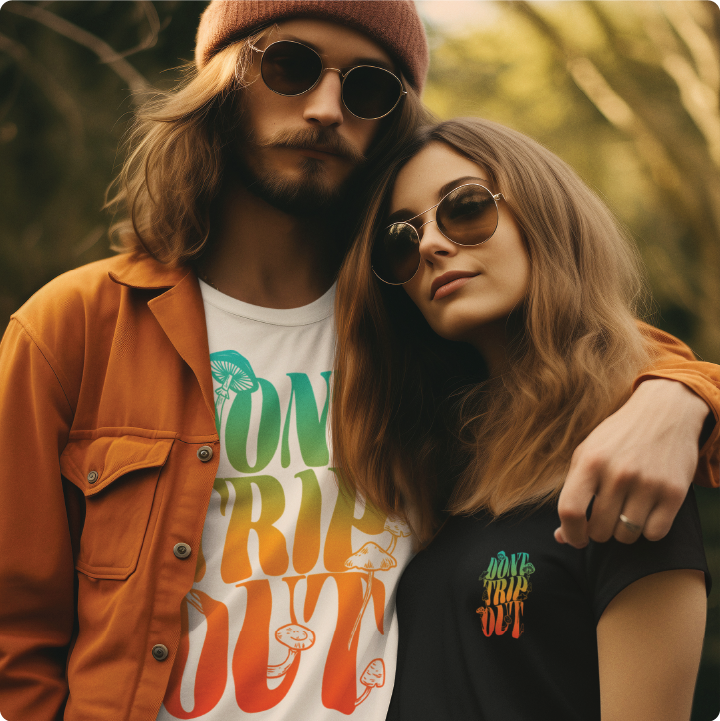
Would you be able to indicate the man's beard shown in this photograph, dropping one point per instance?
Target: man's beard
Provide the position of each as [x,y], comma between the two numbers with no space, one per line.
[311,193]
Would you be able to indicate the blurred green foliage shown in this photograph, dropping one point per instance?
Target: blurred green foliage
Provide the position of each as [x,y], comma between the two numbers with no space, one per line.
[626,92]
[63,114]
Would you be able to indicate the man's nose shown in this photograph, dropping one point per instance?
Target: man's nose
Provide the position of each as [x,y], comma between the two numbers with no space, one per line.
[324,101]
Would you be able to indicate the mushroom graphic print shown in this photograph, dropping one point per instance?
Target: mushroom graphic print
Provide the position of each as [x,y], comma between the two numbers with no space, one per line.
[296,637]
[234,372]
[369,558]
[373,677]
[398,529]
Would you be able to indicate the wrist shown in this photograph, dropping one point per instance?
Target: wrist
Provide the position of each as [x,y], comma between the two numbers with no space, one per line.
[687,407]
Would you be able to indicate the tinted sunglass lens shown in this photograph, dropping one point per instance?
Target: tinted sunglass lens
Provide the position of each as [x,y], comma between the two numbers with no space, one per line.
[370,92]
[290,68]
[468,215]
[396,255]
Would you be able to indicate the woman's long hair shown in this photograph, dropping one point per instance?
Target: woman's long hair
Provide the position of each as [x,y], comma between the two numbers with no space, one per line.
[413,413]
[177,150]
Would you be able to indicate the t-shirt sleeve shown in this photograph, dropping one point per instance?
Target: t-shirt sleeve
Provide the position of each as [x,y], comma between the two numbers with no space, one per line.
[612,566]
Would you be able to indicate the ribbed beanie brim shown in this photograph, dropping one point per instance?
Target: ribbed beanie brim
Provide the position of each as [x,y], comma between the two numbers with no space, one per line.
[393,24]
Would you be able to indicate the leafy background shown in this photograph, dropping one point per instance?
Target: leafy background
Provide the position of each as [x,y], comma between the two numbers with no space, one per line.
[627,92]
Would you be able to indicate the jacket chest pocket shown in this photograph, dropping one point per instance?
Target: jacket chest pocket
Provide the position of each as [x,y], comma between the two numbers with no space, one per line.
[118,476]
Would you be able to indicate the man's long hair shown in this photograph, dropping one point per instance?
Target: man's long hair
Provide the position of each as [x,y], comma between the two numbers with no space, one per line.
[177,152]
[416,423]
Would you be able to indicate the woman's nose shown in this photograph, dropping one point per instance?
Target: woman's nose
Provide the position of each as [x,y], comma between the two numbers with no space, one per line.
[433,243]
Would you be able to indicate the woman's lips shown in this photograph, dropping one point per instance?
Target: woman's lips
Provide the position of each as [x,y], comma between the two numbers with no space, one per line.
[449,282]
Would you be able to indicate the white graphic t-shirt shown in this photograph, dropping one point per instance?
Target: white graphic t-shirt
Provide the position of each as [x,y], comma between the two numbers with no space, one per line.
[292,613]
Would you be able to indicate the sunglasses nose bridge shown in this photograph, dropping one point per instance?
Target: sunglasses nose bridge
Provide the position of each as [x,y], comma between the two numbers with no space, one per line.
[435,242]
[427,222]
[321,77]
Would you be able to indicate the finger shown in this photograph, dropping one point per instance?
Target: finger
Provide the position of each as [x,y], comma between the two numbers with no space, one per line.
[575,502]
[559,536]
[633,518]
[608,506]
[574,521]
[662,514]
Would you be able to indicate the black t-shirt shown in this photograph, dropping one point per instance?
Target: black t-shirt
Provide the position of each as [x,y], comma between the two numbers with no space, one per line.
[498,621]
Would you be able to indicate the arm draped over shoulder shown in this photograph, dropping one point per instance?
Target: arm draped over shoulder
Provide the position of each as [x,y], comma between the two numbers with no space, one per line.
[675,361]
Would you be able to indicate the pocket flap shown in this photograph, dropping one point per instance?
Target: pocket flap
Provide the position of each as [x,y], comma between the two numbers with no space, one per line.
[110,457]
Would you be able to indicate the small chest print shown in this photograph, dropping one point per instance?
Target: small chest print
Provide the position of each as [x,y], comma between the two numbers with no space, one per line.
[507,585]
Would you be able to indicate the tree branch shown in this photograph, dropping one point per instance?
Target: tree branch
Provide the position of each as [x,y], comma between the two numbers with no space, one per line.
[697,40]
[122,67]
[155,27]
[616,109]
[698,99]
[53,91]
[696,83]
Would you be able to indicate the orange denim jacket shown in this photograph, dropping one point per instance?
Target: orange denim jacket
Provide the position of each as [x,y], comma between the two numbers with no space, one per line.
[107,412]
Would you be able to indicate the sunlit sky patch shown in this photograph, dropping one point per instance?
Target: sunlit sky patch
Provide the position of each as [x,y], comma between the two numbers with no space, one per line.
[458,16]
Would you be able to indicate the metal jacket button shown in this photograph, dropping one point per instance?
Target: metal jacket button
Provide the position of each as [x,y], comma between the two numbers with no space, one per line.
[182,550]
[205,453]
[92,476]
[160,652]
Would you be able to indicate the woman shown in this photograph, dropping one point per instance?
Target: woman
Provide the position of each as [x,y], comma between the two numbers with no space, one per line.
[486,239]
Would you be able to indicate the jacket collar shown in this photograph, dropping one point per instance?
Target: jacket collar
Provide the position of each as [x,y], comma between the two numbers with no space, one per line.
[179,310]
[143,271]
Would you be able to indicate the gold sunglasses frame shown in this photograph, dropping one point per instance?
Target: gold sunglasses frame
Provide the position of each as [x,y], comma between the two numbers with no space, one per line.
[494,196]
[343,77]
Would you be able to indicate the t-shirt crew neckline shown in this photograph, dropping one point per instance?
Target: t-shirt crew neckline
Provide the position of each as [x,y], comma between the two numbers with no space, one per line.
[314,312]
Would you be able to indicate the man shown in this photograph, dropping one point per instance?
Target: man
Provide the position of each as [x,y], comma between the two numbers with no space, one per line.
[177,543]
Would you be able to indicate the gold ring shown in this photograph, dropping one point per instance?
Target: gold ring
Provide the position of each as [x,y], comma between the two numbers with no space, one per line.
[629,524]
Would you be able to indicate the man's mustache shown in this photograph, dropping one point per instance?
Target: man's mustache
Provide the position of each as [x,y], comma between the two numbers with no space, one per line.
[324,140]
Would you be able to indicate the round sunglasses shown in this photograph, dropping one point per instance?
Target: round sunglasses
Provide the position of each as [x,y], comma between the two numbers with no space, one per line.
[291,68]
[467,215]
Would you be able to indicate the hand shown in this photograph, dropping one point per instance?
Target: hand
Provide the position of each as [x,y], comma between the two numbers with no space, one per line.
[638,462]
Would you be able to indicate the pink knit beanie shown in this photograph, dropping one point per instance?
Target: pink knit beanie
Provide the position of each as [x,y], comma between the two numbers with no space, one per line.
[394,24]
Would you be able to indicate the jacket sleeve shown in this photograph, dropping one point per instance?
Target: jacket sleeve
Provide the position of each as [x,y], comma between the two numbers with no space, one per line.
[36,562]
[677,362]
